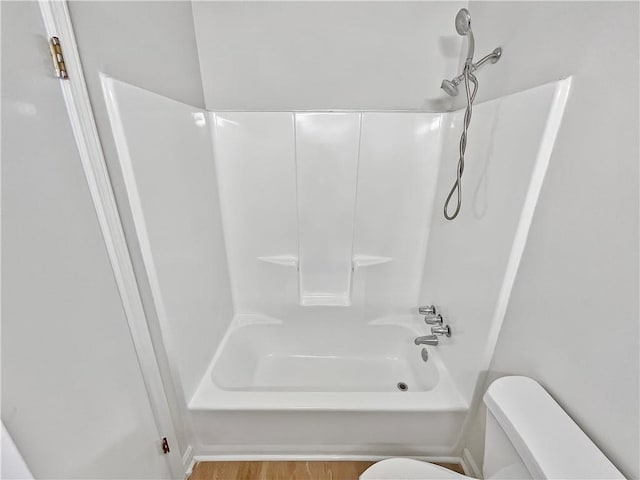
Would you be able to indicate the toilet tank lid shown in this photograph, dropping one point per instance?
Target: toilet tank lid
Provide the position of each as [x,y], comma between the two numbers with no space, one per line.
[550,443]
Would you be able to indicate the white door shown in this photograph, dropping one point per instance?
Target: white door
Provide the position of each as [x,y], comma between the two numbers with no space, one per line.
[73,397]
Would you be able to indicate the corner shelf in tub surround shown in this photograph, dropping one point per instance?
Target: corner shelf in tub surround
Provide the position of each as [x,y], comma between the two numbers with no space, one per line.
[369,260]
[319,299]
[284,260]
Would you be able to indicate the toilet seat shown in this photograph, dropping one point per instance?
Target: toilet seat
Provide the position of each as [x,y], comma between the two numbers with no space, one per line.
[408,469]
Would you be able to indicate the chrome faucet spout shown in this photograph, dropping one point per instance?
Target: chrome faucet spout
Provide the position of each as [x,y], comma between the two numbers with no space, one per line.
[426,340]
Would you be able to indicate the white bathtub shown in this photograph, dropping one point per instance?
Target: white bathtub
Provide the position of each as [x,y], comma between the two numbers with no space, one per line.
[289,358]
[271,383]
[265,363]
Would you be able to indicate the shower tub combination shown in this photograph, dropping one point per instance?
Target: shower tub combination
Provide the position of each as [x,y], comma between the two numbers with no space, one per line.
[287,252]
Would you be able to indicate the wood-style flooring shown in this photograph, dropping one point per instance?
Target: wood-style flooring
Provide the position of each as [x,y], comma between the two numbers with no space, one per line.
[286,470]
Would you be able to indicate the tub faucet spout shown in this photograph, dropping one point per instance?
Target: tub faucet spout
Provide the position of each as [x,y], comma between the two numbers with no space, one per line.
[426,340]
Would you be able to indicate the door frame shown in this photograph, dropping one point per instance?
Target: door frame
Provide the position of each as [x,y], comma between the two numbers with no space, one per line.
[57,22]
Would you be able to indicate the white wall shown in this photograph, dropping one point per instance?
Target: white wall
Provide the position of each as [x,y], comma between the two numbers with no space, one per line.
[149,44]
[73,398]
[326,55]
[572,322]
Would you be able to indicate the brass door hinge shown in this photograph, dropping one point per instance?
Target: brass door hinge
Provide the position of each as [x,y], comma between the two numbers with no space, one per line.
[58,58]
[165,445]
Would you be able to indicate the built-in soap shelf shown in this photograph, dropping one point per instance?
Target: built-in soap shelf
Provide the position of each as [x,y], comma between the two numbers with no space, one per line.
[310,299]
[284,260]
[368,261]
[325,301]
[357,261]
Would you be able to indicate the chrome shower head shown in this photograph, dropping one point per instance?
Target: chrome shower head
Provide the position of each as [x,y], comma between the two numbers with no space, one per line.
[463,21]
[450,87]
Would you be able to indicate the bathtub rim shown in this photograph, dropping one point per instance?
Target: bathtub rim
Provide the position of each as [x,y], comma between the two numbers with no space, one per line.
[210,397]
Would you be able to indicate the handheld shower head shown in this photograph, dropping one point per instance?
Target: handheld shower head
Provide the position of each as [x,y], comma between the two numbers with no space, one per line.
[463,27]
[450,87]
[463,21]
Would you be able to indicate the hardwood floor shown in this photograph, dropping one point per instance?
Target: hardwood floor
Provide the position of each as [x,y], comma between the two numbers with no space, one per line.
[286,470]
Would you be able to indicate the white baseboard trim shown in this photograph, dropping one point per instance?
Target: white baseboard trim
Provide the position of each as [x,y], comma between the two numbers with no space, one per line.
[317,458]
[188,461]
[469,465]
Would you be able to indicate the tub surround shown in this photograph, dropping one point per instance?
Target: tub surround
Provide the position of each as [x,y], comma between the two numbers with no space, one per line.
[326,232]
[307,219]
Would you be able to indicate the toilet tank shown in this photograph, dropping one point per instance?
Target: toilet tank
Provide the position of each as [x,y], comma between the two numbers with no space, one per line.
[528,435]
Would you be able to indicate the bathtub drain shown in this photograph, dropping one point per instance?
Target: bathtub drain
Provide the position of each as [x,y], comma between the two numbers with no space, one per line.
[403,387]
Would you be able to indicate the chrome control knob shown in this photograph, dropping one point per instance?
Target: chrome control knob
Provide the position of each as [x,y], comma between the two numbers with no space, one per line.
[434,319]
[441,330]
[427,310]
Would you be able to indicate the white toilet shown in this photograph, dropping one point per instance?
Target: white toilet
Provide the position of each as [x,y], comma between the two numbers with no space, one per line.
[528,435]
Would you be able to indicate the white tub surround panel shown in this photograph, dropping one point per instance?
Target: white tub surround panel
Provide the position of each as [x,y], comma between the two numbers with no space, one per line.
[255,161]
[165,152]
[326,209]
[472,261]
[399,161]
[327,151]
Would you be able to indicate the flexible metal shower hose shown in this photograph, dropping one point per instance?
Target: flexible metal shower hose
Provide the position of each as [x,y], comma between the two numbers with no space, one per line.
[457,186]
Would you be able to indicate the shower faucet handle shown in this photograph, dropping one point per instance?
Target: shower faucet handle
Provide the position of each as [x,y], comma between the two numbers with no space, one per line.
[427,310]
[441,330]
[434,319]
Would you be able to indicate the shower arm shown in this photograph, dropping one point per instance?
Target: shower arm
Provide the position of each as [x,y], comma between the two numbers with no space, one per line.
[493,56]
